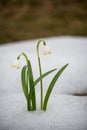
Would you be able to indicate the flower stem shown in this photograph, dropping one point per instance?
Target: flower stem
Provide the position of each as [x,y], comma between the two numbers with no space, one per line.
[41,84]
[40,71]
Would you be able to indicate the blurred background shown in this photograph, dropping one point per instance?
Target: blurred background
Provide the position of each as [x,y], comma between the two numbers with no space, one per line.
[30,19]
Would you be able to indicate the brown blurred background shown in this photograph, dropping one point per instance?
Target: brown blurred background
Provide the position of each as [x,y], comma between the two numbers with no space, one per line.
[29,19]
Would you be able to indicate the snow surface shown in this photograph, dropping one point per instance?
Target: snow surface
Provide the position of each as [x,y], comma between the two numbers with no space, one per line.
[64,111]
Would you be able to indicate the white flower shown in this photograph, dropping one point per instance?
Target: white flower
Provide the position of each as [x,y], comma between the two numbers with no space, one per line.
[46,50]
[16,64]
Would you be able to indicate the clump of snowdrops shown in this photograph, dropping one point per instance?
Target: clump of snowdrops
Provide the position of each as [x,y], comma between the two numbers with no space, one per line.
[28,82]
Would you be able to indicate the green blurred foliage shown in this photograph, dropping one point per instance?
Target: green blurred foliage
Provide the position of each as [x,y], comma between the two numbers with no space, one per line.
[20,2]
[4,2]
[28,19]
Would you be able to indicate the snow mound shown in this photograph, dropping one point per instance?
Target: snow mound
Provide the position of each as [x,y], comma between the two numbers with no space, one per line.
[65,111]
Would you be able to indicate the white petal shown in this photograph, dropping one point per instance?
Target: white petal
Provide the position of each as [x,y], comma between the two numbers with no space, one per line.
[46,50]
[16,64]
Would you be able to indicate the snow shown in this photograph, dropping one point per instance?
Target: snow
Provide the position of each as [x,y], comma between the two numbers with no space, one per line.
[64,111]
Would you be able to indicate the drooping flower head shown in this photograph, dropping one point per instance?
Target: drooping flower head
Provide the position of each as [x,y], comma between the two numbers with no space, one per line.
[16,64]
[46,50]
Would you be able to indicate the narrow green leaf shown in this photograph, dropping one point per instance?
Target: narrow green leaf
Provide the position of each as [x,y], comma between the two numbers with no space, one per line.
[52,85]
[43,76]
[31,82]
[24,82]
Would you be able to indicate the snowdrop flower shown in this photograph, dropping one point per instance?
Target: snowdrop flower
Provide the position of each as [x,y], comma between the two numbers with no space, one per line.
[46,50]
[16,64]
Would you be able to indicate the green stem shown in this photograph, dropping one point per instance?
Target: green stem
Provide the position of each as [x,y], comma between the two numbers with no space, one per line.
[41,84]
[28,106]
[23,54]
[40,71]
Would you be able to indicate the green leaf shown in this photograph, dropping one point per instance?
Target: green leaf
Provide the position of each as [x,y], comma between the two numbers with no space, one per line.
[43,76]
[24,82]
[50,88]
[31,82]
